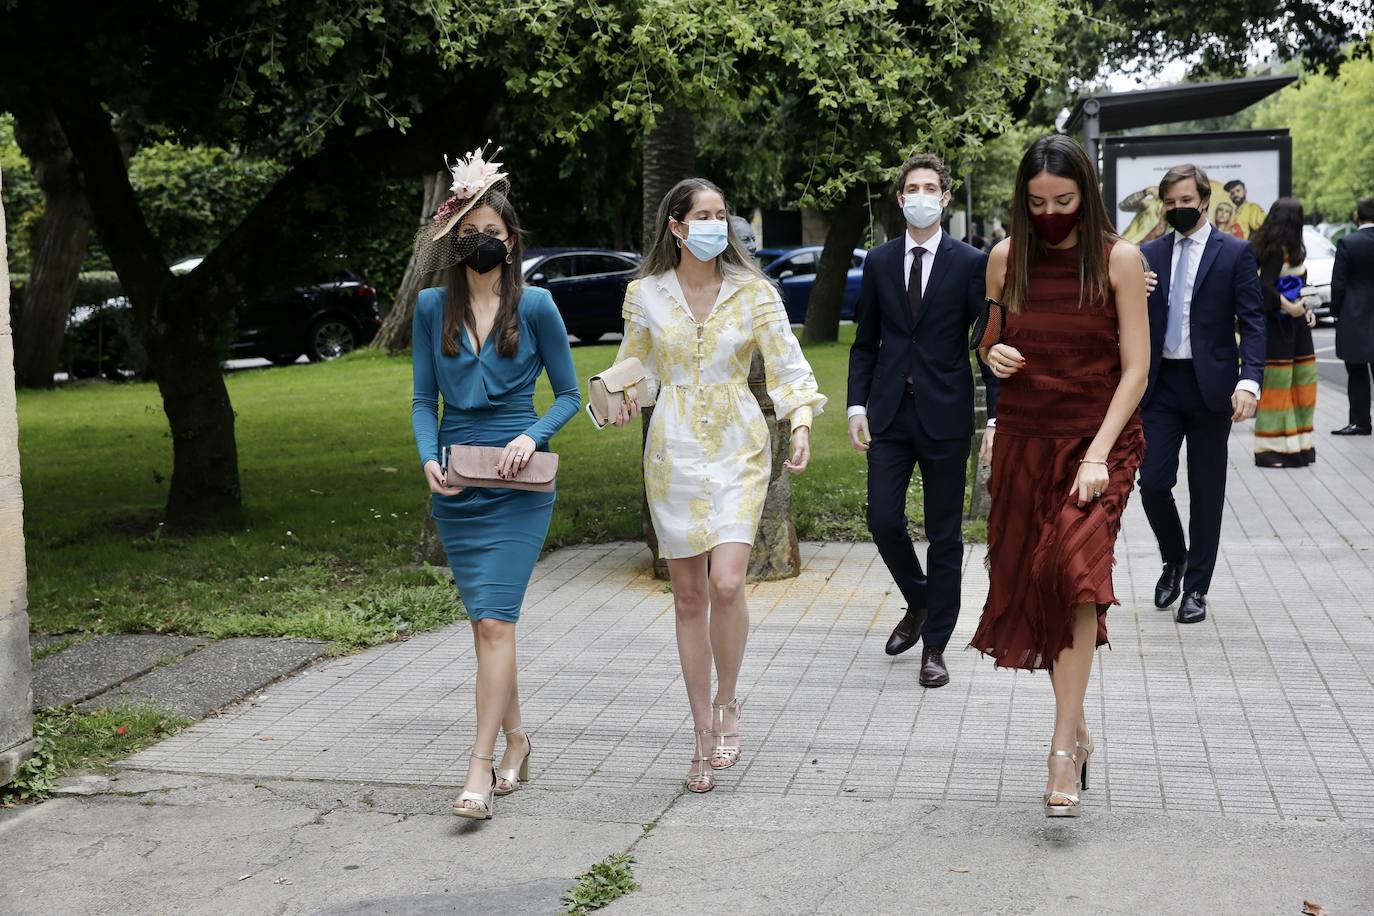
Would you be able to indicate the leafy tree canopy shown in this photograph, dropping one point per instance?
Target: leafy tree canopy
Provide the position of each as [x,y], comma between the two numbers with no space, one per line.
[1329,118]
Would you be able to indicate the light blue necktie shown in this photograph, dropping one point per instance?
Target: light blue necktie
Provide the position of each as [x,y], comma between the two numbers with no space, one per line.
[1173,334]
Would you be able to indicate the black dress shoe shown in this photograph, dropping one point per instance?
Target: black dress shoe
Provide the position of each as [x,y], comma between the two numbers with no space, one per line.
[1354,429]
[933,670]
[1170,585]
[908,632]
[1193,609]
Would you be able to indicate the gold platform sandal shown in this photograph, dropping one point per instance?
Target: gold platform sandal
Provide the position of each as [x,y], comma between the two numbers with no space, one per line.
[482,811]
[725,755]
[1062,804]
[508,780]
[701,778]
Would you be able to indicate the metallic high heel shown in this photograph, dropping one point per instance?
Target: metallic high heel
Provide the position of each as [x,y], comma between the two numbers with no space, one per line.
[724,756]
[483,799]
[1087,750]
[514,777]
[1062,804]
[700,778]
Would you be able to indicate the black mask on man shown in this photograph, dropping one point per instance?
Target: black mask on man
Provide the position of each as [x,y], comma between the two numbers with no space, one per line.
[489,253]
[1183,219]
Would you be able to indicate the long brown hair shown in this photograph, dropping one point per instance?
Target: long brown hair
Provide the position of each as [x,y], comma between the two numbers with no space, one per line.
[665,254]
[1279,237]
[456,310]
[1062,156]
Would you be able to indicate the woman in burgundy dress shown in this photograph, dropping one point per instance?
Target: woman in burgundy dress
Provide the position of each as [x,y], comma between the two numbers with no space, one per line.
[1074,358]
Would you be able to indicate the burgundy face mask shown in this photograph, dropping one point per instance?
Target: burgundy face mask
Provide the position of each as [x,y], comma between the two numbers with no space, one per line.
[1055,227]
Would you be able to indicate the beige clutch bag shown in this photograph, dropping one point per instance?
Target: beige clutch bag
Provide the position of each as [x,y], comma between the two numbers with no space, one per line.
[623,382]
[475,466]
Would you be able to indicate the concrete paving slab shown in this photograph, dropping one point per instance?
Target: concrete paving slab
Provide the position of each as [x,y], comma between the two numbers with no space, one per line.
[844,856]
[215,676]
[101,662]
[294,848]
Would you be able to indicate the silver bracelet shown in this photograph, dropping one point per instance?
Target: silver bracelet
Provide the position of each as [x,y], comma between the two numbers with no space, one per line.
[1086,461]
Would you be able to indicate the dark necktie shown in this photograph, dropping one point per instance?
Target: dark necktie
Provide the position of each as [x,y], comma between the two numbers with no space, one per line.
[913,285]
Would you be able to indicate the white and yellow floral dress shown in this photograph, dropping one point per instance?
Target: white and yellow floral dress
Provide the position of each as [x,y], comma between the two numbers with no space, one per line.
[707,456]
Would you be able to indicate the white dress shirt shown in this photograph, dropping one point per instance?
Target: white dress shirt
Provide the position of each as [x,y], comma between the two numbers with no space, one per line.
[927,250]
[1185,348]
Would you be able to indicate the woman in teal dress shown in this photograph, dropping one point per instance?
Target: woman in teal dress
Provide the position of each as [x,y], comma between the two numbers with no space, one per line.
[481,344]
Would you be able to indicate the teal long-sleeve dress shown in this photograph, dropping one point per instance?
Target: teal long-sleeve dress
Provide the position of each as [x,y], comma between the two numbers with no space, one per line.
[492,535]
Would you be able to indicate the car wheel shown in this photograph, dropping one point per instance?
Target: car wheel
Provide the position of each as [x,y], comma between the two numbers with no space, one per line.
[330,338]
[284,359]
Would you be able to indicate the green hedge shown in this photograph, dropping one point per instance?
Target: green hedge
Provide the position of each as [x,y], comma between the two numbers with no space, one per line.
[93,287]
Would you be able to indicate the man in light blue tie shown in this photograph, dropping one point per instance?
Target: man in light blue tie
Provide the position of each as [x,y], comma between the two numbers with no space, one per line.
[1200,381]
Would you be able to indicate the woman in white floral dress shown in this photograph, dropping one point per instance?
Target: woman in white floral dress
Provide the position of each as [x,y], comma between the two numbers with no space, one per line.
[695,318]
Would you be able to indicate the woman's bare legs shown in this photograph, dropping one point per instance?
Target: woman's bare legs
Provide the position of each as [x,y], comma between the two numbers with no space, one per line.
[1070,676]
[495,642]
[691,606]
[729,622]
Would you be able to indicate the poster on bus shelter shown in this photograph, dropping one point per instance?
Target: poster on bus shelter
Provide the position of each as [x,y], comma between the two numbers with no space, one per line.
[1248,171]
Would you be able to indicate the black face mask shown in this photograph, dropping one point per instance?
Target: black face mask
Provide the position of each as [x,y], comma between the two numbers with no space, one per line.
[488,254]
[1183,219]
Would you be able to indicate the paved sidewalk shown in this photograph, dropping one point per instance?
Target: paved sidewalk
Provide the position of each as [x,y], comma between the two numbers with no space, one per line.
[1234,773]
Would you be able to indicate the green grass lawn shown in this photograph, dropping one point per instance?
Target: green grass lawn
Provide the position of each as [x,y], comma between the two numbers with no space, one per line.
[334,503]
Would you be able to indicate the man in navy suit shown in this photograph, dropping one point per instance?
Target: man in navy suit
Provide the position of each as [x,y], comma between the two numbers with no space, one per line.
[911,403]
[1200,382]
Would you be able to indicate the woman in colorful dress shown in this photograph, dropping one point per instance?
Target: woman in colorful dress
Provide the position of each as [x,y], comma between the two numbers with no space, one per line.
[1288,399]
[482,343]
[1074,360]
[695,317]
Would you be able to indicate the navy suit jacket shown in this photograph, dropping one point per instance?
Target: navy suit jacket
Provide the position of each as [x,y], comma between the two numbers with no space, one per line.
[1226,294]
[933,351]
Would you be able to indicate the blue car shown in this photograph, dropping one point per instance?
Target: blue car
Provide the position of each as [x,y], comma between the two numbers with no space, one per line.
[794,270]
[588,285]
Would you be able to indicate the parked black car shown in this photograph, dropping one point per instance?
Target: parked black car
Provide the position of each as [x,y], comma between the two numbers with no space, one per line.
[588,285]
[324,321]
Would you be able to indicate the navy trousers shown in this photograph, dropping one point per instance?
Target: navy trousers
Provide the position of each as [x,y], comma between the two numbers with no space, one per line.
[892,458]
[1176,413]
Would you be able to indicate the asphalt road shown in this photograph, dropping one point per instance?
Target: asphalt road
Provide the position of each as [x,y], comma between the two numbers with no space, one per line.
[1330,371]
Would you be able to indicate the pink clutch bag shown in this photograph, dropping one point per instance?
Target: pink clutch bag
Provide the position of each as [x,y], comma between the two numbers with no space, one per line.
[475,466]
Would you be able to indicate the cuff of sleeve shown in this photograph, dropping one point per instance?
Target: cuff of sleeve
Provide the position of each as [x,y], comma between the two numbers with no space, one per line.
[801,417]
[1249,385]
[856,410]
[992,422]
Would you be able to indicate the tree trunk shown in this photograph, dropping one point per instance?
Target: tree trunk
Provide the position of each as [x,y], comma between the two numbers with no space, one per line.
[185,349]
[63,236]
[670,155]
[394,335]
[776,553]
[847,223]
[16,694]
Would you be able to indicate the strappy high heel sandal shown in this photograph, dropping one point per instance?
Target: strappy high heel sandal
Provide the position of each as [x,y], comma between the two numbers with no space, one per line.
[508,780]
[701,778]
[1087,750]
[1062,804]
[482,810]
[724,755]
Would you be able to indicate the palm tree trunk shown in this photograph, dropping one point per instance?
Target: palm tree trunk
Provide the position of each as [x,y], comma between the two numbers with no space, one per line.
[670,155]
[394,335]
[16,694]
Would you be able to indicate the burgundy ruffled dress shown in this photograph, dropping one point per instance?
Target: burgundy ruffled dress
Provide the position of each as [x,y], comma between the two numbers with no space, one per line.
[1046,556]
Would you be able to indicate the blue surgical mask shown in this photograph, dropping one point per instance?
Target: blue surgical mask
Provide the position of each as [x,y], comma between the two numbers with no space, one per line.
[707,238]
[921,210]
